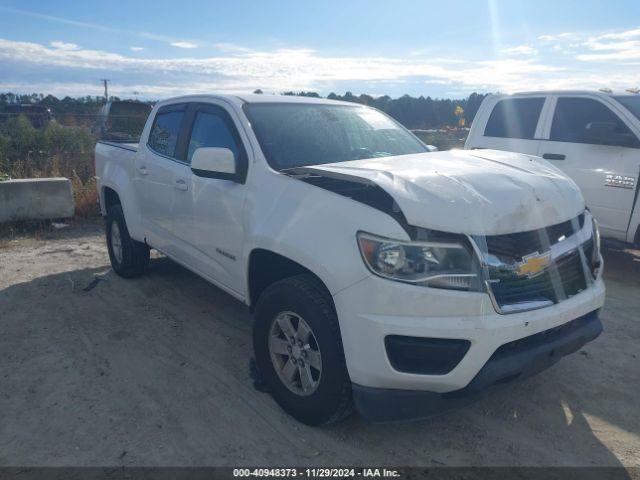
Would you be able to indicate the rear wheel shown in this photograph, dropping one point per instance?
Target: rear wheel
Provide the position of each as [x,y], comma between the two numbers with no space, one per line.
[299,351]
[129,258]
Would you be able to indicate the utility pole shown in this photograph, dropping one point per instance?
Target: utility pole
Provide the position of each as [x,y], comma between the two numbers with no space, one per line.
[105,82]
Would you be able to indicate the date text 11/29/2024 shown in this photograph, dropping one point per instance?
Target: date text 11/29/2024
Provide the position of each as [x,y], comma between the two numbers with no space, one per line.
[317,472]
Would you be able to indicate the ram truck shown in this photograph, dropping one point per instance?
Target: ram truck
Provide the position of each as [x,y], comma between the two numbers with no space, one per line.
[381,276]
[593,137]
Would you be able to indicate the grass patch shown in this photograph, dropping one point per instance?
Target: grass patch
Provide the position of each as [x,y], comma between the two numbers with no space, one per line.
[51,151]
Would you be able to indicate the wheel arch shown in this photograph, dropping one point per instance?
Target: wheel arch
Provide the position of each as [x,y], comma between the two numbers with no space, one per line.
[113,193]
[109,198]
[265,267]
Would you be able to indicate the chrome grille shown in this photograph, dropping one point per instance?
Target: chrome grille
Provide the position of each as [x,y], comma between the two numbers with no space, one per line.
[562,252]
[512,247]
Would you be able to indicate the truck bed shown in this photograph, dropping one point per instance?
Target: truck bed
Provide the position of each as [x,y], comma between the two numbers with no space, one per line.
[115,161]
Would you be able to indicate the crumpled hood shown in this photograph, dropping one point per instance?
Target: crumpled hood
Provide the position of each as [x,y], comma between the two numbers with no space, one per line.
[478,192]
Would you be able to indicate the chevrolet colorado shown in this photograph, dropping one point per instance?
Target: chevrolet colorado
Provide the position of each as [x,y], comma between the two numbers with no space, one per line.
[380,275]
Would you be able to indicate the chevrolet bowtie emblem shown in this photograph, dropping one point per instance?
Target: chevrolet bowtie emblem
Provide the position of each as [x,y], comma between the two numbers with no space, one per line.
[533,264]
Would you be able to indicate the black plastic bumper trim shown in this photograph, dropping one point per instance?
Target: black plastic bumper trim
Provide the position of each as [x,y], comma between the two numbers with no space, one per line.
[425,356]
[514,360]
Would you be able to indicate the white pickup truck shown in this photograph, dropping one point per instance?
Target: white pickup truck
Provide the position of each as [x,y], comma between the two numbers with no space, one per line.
[593,137]
[380,275]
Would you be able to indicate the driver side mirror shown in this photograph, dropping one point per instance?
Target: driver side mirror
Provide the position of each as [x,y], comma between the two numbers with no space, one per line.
[214,162]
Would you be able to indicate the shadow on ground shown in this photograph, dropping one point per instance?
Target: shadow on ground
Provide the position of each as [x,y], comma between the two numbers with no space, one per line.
[154,371]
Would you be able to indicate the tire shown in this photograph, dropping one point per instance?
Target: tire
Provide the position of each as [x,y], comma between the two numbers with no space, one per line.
[131,258]
[329,399]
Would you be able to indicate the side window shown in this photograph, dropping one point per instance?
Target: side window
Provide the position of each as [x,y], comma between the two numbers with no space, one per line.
[584,120]
[514,118]
[211,129]
[163,137]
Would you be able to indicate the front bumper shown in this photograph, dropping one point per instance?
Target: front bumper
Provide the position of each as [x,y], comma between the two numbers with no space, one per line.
[515,360]
[375,308]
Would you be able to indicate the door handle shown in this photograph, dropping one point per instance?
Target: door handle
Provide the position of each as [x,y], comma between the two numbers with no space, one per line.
[181,185]
[143,170]
[553,156]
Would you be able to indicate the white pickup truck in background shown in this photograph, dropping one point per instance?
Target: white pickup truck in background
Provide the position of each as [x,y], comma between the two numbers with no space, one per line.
[379,274]
[593,137]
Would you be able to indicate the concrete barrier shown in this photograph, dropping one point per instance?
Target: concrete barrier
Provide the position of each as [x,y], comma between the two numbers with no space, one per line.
[36,199]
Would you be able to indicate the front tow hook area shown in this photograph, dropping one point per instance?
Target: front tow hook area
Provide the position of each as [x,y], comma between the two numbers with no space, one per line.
[519,359]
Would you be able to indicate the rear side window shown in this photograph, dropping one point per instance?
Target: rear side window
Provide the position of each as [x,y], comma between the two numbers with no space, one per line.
[514,118]
[573,116]
[632,102]
[211,130]
[166,128]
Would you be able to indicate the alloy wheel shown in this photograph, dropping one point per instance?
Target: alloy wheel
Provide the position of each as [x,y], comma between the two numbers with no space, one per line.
[295,353]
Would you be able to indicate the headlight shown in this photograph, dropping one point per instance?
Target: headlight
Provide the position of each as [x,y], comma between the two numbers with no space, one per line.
[431,264]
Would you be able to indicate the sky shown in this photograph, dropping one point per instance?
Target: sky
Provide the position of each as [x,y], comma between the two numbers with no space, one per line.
[158,49]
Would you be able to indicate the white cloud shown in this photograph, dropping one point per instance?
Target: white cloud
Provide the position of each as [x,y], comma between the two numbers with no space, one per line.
[633,33]
[61,54]
[231,47]
[616,46]
[520,50]
[136,49]
[115,88]
[241,69]
[184,44]
[620,46]
[556,37]
[52,18]
[64,46]
[625,55]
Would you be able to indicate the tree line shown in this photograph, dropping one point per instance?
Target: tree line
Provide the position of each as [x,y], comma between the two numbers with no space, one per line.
[413,112]
[88,105]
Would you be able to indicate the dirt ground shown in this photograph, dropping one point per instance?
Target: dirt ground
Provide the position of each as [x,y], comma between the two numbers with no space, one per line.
[154,371]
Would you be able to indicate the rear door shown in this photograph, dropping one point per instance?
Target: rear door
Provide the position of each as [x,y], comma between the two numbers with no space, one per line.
[606,171]
[161,176]
[513,124]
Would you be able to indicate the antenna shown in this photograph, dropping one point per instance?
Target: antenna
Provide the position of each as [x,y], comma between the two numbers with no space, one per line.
[105,82]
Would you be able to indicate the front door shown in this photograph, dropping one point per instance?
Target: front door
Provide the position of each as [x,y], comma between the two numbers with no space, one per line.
[215,227]
[606,171]
[513,126]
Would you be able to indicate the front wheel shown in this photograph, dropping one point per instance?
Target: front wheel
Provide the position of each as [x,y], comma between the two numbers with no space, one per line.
[129,258]
[299,352]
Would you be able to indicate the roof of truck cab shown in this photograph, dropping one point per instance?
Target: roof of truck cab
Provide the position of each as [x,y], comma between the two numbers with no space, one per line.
[262,98]
[257,98]
[569,92]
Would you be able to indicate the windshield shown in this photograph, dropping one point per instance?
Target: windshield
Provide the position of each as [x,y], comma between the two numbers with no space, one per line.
[294,135]
[631,102]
